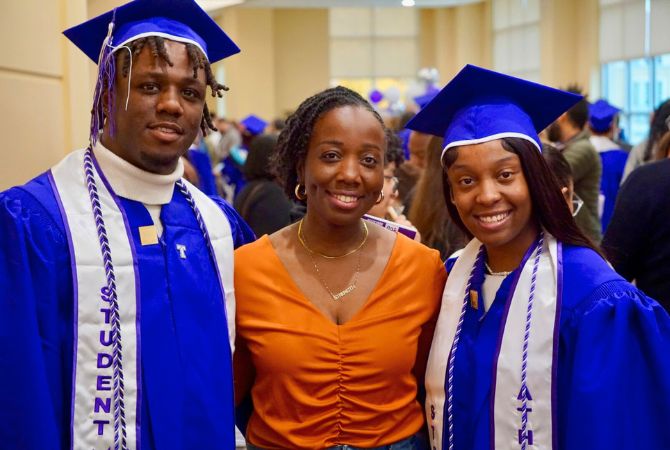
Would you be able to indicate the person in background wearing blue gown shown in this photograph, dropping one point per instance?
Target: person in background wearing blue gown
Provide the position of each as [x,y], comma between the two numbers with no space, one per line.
[232,170]
[539,343]
[198,156]
[602,123]
[117,308]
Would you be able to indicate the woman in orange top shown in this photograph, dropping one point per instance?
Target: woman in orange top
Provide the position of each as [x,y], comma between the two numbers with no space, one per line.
[334,316]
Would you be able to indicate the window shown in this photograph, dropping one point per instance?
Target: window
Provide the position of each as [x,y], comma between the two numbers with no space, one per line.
[516,38]
[635,60]
[661,79]
[637,87]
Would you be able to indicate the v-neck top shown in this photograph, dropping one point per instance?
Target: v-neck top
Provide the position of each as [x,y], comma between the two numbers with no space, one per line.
[315,384]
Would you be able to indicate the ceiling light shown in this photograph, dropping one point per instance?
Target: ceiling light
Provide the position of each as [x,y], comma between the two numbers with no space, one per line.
[408,3]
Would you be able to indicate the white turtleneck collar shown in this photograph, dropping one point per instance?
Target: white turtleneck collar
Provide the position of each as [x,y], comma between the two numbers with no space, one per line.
[131,182]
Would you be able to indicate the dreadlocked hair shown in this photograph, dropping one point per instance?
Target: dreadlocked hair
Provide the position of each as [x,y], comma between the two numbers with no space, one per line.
[293,141]
[156,45]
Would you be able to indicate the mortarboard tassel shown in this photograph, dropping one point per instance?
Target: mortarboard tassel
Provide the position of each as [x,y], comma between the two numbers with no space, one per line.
[106,71]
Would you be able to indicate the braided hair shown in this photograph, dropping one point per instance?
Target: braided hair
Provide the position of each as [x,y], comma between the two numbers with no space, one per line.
[156,45]
[293,141]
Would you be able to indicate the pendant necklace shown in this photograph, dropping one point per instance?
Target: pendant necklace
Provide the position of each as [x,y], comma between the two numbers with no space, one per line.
[495,274]
[312,253]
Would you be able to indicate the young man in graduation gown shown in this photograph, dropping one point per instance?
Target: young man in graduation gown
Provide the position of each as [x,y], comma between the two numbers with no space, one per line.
[612,156]
[251,126]
[117,308]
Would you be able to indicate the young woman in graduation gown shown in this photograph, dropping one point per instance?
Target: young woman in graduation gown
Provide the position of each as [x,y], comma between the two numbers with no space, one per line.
[334,315]
[539,343]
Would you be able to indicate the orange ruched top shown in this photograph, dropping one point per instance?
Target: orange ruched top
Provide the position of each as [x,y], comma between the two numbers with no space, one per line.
[316,384]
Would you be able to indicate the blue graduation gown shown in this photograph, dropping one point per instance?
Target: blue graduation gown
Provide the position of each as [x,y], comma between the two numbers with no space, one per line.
[613,362]
[202,164]
[404,139]
[232,174]
[186,374]
[613,162]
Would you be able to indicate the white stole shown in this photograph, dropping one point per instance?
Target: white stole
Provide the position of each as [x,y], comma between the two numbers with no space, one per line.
[92,397]
[541,353]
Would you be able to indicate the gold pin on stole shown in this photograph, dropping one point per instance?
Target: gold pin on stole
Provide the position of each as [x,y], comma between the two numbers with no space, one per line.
[474,299]
[148,235]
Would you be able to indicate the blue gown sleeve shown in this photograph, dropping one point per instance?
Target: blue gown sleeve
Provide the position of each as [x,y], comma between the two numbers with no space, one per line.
[242,234]
[35,326]
[203,166]
[614,372]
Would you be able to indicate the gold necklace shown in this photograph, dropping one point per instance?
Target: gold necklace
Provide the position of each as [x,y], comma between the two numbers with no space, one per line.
[303,241]
[349,289]
[496,274]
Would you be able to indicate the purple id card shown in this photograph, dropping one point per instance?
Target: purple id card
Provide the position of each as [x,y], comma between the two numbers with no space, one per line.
[392,226]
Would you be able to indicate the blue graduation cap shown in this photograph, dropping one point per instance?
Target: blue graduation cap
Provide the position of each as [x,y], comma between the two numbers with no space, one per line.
[177,20]
[601,116]
[480,105]
[423,100]
[254,124]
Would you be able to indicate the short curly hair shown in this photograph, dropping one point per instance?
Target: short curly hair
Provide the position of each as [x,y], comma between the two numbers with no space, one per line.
[394,152]
[293,141]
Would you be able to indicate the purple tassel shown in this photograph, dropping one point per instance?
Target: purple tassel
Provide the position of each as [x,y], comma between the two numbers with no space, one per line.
[106,72]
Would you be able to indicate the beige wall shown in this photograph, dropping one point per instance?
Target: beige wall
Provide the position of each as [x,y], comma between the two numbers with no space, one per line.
[284,59]
[39,75]
[302,63]
[453,37]
[570,43]
[250,74]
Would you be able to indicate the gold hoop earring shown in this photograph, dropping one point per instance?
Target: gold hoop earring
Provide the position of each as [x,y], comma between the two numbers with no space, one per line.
[298,195]
[381,198]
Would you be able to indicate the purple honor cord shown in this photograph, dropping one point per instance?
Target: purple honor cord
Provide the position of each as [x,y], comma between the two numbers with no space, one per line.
[201,223]
[117,349]
[454,347]
[524,357]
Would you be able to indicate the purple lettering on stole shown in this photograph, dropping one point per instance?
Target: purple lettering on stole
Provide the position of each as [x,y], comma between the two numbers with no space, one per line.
[104,382]
[107,312]
[108,341]
[105,294]
[525,393]
[104,360]
[103,404]
[528,436]
[101,426]
[431,434]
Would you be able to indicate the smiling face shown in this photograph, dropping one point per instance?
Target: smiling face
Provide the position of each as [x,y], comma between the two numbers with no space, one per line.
[491,195]
[165,107]
[343,171]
